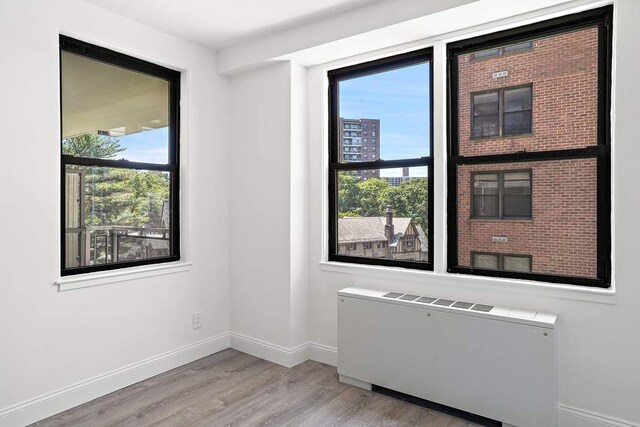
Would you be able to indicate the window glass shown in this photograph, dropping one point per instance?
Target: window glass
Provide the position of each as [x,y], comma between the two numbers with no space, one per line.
[485,195]
[116,215]
[553,83]
[380,177]
[112,112]
[488,261]
[119,150]
[486,118]
[517,194]
[552,216]
[389,209]
[529,198]
[516,263]
[395,104]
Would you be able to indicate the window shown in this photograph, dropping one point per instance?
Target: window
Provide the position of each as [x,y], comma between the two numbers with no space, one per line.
[504,262]
[119,162]
[501,112]
[494,209]
[518,47]
[501,194]
[367,245]
[372,209]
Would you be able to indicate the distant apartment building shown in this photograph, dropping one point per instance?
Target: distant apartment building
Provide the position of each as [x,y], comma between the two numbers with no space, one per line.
[382,237]
[359,141]
[394,181]
[537,216]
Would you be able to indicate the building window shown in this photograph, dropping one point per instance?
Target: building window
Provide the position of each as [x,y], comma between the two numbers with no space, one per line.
[569,154]
[501,112]
[119,162]
[501,194]
[503,262]
[368,210]
[488,53]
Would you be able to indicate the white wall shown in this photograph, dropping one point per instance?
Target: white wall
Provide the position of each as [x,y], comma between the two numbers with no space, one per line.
[268,260]
[50,339]
[599,349]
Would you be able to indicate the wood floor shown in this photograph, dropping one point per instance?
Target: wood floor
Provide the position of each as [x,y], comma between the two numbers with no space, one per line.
[231,388]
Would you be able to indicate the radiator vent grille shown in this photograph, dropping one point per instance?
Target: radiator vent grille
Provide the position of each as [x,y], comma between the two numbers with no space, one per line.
[439,301]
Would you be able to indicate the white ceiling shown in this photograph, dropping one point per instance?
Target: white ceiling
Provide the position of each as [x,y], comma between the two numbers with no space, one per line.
[220,23]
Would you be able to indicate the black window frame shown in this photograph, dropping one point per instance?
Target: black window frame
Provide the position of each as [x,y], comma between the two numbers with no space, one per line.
[108,56]
[335,166]
[501,113]
[500,258]
[602,18]
[501,194]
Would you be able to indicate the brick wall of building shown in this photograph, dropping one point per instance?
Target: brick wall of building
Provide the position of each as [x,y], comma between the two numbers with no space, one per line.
[561,236]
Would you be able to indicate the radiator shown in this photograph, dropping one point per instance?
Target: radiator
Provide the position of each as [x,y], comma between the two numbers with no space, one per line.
[497,362]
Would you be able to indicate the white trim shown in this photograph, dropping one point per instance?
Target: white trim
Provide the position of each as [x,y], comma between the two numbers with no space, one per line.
[323,353]
[528,287]
[569,416]
[52,403]
[80,281]
[287,357]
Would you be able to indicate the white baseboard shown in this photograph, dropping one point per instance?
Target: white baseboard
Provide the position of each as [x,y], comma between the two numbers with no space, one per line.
[569,416]
[288,357]
[60,400]
[323,353]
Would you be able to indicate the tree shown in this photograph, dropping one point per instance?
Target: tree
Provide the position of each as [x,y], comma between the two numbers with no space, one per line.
[357,197]
[91,145]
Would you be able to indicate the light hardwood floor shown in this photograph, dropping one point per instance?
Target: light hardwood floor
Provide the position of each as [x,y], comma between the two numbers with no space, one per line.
[231,388]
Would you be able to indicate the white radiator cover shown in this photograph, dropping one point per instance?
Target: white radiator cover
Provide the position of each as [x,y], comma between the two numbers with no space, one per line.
[500,364]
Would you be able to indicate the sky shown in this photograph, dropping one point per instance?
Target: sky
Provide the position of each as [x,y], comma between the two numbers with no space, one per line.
[150,146]
[400,100]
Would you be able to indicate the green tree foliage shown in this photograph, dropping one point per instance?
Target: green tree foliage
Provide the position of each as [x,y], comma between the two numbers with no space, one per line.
[91,145]
[358,197]
[115,196]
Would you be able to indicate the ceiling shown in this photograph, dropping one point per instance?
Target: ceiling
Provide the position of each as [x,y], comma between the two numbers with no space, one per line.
[221,23]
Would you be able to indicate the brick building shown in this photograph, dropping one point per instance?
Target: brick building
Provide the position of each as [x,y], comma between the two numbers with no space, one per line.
[360,142]
[537,216]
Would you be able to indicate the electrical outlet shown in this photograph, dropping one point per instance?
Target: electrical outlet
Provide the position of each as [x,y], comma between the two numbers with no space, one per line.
[196,319]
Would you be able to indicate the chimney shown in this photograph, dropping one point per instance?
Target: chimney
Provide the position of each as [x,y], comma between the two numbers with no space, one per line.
[388,228]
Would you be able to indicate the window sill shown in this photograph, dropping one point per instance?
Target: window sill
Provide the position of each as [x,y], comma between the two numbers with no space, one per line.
[494,284]
[80,281]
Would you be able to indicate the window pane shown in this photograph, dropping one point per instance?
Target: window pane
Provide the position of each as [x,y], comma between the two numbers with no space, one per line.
[517,263]
[485,206]
[517,47]
[552,216]
[486,119]
[516,206]
[487,261]
[388,210]
[557,111]
[116,215]
[515,123]
[109,112]
[486,53]
[517,99]
[386,112]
